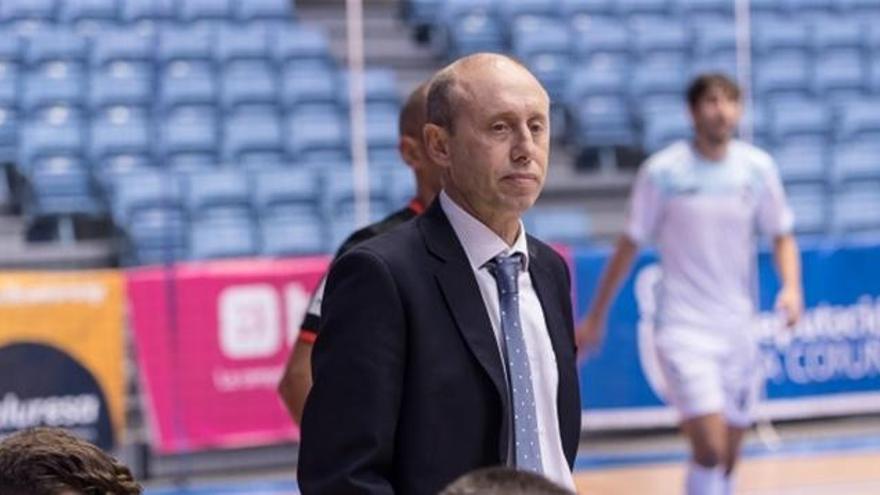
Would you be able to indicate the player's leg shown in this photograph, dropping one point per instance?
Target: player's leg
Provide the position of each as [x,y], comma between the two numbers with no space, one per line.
[735,437]
[742,381]
[708,437]
[691,366]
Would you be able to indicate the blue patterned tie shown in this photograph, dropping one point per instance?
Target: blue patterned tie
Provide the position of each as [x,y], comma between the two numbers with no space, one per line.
[527,449]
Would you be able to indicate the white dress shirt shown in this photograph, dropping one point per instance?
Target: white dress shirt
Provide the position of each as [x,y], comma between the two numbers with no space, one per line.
[482,245]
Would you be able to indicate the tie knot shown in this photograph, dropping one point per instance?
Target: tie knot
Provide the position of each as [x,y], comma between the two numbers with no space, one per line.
[505,269]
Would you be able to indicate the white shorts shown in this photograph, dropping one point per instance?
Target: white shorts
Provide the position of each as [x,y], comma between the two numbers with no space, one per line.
[710,371]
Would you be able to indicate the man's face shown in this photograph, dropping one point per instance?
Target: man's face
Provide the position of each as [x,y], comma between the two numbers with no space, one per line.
[716,115]
[500,145]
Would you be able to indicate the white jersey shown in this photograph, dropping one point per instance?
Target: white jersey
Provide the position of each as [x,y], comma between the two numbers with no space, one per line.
[703,217]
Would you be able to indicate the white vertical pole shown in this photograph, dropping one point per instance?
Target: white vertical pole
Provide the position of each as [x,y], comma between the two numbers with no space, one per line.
[743,21]
[357,110]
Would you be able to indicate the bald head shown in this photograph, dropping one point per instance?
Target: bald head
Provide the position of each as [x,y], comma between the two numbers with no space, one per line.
[462,79]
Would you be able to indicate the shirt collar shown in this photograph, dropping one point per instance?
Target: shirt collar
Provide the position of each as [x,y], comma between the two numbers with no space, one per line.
[479,242]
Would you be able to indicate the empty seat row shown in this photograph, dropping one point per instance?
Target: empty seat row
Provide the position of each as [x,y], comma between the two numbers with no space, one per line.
[304,199]
[85,14]
[119,49]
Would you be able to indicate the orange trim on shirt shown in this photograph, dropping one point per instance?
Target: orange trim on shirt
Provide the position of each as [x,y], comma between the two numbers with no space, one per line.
[307,336]
[416,206]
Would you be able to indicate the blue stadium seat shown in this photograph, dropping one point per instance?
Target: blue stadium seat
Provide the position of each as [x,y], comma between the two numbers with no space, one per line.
[121,53]
[772,38]
[40,142]
[120,145]
[652,82]
[248,91]
[644,8]
[27,15]
[185,50]
[603,121]
[470,26]
[802,160]
[227,238]
[856,159]
[513,11]
[244,49]
[812,8]
[109,92]
[380,87]
[294,235]
[715,37]
[156,236]
[219,194]
[310,89]
[57,53]
[205,11]
[135,193]
[265,11]
[198,92]
[401,185]
[249,140]
[665,40]
[545,47]
[841,77]
[339,194]
[865,9]
[587,81]
[700,12]
[61,187]
[602,40]
[838,34]
[758,118]
[88,16]
[799,119]
[42,95]
[859,120]
[563,224]
[856,207]
[661,130]
[781,78]
[809,204]
[313,136]
[287,192]
[145,15]
[766,9]
[382,135]
[874,74]
[582,10]
[184,141]
[11,53]
[302,46]
[8,117]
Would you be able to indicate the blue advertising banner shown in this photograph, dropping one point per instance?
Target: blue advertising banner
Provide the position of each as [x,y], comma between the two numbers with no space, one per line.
[829,364]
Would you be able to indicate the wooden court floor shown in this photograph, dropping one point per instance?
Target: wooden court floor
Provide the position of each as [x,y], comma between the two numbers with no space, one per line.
[856,473]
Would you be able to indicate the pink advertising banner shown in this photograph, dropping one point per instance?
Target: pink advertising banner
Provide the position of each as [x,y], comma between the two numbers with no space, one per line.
[212,339]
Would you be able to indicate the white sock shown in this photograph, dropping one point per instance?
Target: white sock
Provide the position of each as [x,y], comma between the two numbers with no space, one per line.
[704,481]
[729,484]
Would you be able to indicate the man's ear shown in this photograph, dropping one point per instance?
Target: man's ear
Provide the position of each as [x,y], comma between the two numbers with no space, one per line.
[410,151]
[437,144]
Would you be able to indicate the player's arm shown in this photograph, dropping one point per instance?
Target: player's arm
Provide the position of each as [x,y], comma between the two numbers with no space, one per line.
[591,330]
[788,264]
[297,378]
[646,204]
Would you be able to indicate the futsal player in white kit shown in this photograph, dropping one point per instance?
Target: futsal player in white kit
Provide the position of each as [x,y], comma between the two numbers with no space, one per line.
[700,203]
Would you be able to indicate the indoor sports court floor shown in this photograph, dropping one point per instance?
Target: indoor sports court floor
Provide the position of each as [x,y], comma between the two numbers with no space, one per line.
[839,457]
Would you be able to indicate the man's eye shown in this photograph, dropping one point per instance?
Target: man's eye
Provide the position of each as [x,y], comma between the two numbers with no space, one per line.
[499,127]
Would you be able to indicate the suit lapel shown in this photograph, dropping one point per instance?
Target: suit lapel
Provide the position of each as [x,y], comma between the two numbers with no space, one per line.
[462,294]
[551,298]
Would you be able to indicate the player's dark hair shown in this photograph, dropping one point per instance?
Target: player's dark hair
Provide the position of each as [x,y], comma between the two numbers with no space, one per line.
[706,82]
